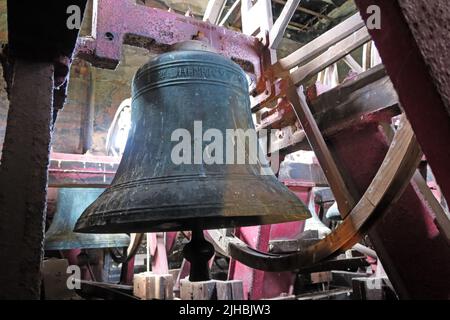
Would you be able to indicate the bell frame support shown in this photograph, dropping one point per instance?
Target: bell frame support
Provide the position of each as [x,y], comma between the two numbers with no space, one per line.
[395,14]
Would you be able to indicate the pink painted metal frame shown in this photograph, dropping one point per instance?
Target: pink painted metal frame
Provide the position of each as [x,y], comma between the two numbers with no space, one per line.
[260,284]
[156,30]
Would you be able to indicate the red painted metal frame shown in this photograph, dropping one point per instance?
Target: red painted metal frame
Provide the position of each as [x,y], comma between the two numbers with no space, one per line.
[160,245]
[76,170]
[260,284]
[119,22]
[409,69]
[413,252]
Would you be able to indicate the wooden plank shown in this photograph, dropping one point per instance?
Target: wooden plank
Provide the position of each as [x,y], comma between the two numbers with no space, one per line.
[202,290]
[293,174]
[279,27]
[314,13]
[230,290]
[233,9]
[331,56]
[351,62]
[149,286]
[214,11]
[369,93]
[54,277]
[335,294]
[291,140]
[256,18]
[318,45]
[335,180]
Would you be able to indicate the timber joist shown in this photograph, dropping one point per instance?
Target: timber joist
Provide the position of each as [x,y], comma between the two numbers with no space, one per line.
[299,66]
[367,97]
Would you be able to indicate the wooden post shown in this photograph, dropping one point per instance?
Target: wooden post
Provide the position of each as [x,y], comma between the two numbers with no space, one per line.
[201,290]
[316,47]
[212,290]
[230,290]
[279,27]
[149,286]
[23,180]
[231,11]
[54,277]
[261,9]
[337,183]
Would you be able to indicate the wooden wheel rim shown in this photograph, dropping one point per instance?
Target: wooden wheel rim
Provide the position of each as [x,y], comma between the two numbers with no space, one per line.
[393,176]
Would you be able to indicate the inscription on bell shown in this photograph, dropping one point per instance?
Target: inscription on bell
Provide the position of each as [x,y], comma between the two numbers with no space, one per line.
[200,71]
[195,72]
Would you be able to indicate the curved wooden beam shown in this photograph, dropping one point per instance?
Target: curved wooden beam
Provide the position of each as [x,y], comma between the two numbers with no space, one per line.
[388,185]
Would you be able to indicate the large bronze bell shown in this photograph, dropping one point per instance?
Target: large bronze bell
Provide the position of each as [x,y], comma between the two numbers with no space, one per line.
[70,205]
[150,192]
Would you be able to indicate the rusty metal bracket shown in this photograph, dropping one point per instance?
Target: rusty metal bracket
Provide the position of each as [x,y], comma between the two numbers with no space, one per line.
[118,22]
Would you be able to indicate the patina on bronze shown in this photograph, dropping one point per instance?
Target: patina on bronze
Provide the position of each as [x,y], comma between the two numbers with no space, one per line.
[150,192]
[70,205]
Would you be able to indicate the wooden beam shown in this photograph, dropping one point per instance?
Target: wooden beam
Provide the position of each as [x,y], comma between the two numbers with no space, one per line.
[251,25]
[295,28]
[234,8]
[299,25]
[314,13]
[371,92]
[319,45]
[279,27]
[337,183]
[214,11]
[331,56]
[353,64]
[305,10]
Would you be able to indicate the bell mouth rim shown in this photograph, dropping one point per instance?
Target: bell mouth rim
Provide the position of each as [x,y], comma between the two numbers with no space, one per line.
[188,224]
[215,203]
